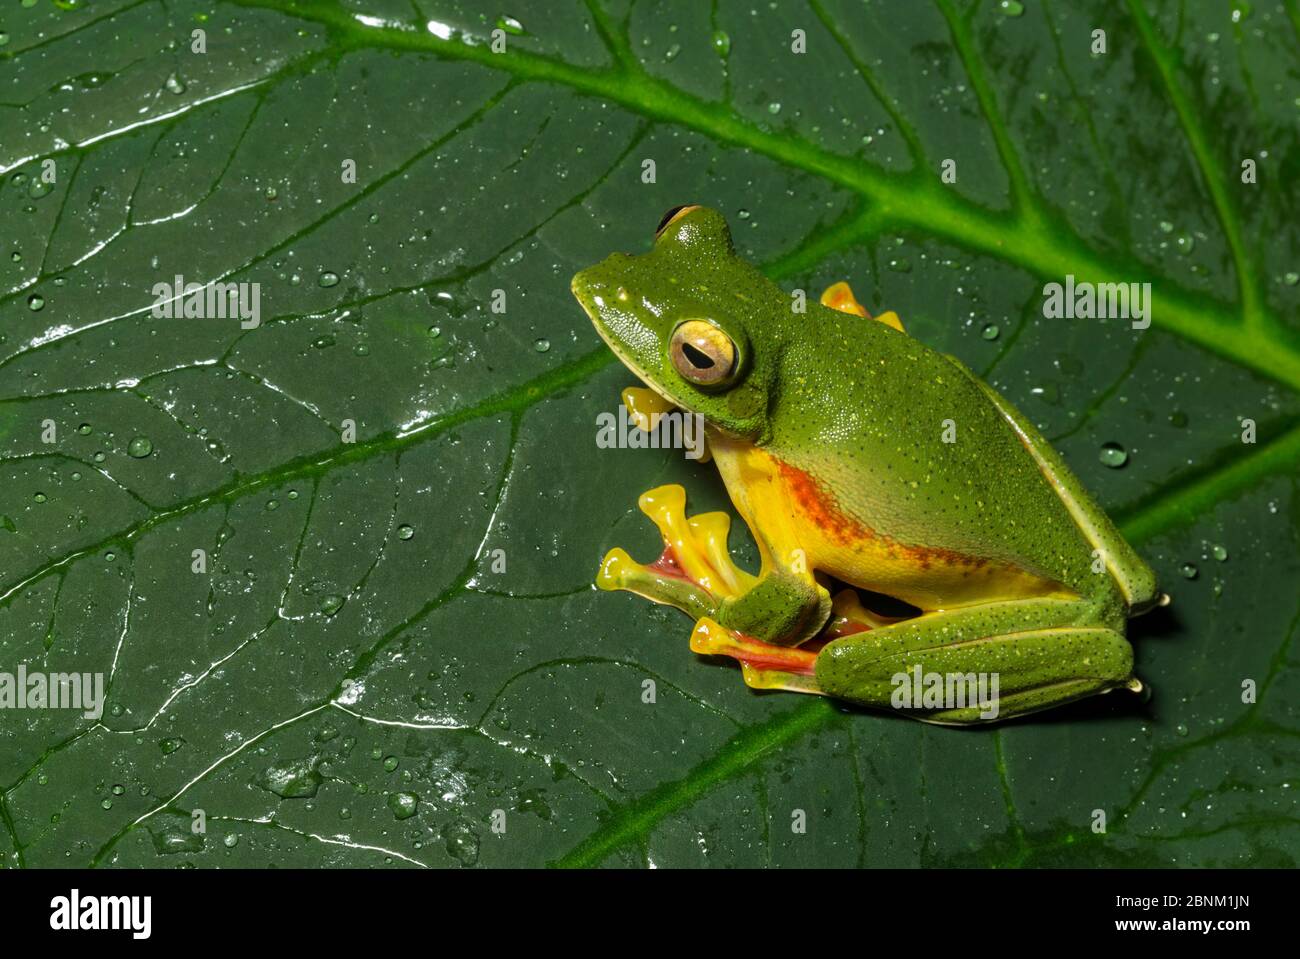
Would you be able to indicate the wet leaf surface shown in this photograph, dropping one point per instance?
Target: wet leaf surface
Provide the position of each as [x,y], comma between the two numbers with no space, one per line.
[357,679]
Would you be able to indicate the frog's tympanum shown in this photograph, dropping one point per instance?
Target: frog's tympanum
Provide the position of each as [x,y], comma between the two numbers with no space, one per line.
[862,460]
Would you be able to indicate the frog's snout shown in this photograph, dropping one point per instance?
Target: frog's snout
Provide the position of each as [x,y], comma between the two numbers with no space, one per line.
[584,290]
[596,283]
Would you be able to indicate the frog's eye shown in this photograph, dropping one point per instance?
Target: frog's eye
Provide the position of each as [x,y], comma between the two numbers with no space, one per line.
[702,353]
[672,216]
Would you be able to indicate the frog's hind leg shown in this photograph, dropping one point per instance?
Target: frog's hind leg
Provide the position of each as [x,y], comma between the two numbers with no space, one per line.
[981,664]
[695,573]
[792,668]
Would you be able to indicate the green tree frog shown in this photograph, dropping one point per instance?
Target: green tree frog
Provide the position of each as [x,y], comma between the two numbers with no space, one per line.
[861,460]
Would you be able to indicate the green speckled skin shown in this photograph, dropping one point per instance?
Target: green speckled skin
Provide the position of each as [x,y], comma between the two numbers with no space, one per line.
[861,409]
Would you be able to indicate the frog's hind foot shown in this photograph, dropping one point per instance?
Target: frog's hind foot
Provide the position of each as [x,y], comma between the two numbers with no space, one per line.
[849,616]
[694,573]
[762,665]
[839,296]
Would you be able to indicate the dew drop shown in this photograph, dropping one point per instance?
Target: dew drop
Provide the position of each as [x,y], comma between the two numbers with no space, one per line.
[404,805]
[542,345]
[139,447]
[461,841]
[405,532]
[1189,571]
[1049,393]
[1220,553]
[35,302]
[1113,455]
[297,779]
[721,43]
[331,604]
[990,331]
[174,83]
[1012,8]
[328,279]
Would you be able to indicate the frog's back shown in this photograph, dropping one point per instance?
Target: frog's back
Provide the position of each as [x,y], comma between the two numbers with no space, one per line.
[916,484]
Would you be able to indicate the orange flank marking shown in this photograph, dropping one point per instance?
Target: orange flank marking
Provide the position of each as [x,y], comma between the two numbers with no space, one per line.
[823,511]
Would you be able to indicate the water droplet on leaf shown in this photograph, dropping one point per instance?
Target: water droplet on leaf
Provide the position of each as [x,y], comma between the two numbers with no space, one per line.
[1113,455]
[140,447]
[404,805]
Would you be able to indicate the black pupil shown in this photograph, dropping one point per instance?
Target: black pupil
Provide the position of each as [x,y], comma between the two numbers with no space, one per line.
[668,216]
[699,359]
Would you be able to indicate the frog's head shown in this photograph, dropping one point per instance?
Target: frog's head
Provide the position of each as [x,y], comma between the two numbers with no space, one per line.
[682,317]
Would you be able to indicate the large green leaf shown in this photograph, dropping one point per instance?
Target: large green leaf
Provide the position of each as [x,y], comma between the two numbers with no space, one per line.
[387,729]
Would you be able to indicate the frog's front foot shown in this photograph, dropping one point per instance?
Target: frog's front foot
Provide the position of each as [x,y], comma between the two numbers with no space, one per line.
[762,665]
[695,572]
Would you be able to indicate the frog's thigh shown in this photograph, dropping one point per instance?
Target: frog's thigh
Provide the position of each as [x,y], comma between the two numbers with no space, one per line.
[695,572]
[1042,652]
[1134,577]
